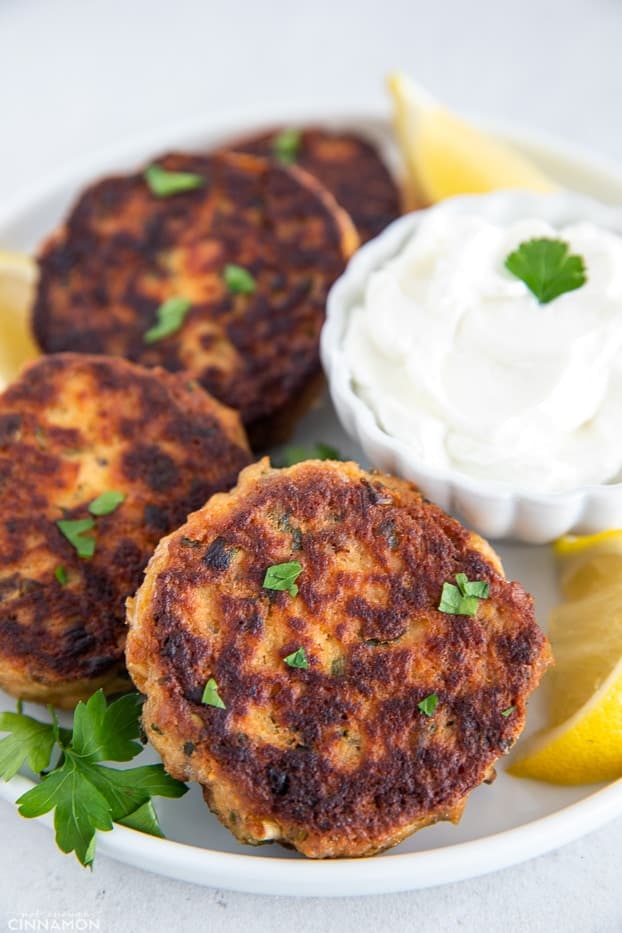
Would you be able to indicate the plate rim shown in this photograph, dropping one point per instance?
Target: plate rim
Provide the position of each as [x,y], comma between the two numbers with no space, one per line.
[303,877]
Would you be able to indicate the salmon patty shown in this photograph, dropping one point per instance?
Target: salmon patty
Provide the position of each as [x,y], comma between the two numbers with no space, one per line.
[98,459]
[346,164]
[297,665]
[248,254]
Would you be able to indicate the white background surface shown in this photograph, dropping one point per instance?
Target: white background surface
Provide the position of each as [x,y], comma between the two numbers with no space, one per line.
[76,75]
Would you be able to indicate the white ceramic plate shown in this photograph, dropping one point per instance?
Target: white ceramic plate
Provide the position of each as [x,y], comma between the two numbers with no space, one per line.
[505,823]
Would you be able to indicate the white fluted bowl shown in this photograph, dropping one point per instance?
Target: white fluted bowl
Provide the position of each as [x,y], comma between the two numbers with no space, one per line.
[494,509]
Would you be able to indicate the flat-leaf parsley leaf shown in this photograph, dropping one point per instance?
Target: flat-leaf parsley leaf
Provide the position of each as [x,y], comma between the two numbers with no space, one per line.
[296,453]
[298,659]
[211,696]
[463,599]
[428,704]
[283,577]
[61,575]
[170,316]
[547,268]
[286,146]
[107,502]
[75,532]
[238,280]
[29,741]
[163,183]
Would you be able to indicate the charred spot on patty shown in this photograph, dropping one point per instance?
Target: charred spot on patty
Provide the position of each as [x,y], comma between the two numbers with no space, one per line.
[75,427]
[327,739]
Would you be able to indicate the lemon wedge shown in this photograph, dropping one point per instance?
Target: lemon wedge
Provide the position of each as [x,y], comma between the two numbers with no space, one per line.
[445,156]
[18,275]
[584,743]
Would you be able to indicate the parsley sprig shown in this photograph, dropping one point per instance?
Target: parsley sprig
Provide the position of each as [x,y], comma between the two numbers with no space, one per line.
[85,794]
[547,268]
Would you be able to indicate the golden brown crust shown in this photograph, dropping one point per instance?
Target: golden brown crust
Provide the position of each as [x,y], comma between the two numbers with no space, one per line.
[123,251]
[349,167]
[74,426]
[337,759]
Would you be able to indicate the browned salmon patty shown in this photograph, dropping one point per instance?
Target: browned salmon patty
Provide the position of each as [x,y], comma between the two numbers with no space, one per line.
[344,712]
[349,166]
[71,428]
[124,251]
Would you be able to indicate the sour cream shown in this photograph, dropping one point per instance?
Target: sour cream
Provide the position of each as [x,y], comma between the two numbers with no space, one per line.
[460,362]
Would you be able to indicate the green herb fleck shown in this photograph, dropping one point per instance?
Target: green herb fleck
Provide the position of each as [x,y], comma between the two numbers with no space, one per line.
[107,502]
[86,794]
[338,667]
[508,712]
[547,268]
[170,317]
[297,658]
[463,599]
[283,577]
[61,575]
[428,704]
[189,542]
[163,183]
[211,697]
[286,145]
[296,453]
[238,280]
[74,531]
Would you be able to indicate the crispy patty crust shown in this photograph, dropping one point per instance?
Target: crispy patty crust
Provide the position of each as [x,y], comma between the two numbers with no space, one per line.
[337,759]
[348,165]
[123,251]
[73,427]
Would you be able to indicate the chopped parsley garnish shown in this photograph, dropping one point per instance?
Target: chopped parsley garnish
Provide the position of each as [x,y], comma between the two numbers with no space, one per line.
[163,183]
[211,697]
[238,280]
[297,658]
[286,146]
[463,599]
[296,453]
[428,704]
[508,712]
[283,577]
[170,316]
[61,575]
[107,502]
[547,268]
[75,532]
[86,794]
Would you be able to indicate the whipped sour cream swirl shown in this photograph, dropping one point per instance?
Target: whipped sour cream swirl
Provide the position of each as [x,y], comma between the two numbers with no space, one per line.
[460,362]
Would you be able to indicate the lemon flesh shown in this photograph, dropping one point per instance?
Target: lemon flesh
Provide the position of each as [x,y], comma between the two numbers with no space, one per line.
[584,743]
[18,275]
[445,156]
